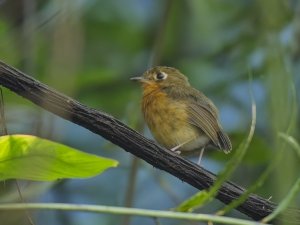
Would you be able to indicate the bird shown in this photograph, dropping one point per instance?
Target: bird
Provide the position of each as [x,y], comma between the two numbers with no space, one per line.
[180,117]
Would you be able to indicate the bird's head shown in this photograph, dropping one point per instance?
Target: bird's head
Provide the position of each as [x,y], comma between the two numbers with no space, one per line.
[162,77]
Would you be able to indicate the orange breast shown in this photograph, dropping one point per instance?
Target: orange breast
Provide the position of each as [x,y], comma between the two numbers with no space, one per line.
[167,119]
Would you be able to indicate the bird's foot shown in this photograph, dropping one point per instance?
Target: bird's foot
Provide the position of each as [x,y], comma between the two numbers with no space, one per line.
[175,150]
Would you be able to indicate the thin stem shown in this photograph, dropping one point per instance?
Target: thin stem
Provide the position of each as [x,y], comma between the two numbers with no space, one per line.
[161,33]
[285,202]
[131,187]
[2,115]
[30,220]
[126,211]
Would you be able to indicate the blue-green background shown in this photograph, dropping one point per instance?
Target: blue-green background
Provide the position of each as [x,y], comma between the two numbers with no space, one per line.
[89,50]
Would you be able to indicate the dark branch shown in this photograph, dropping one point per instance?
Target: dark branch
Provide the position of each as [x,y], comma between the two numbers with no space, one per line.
[131,141]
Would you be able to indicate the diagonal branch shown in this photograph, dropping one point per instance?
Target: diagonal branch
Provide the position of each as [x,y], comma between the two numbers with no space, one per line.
[131,141]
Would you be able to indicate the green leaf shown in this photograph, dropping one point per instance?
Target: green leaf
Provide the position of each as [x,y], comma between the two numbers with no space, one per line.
[32,158]
[193,202]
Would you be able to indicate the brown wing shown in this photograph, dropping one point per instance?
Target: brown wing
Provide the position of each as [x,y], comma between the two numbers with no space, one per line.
[203,119]
[204,115]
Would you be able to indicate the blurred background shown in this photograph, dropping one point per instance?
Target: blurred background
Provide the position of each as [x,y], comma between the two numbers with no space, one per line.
[89,50]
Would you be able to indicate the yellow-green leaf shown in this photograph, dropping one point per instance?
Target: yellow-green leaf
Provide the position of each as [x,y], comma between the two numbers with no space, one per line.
[32,158]
[193,202]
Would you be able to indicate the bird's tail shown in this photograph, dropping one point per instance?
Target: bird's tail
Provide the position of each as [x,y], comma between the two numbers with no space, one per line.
[224,142]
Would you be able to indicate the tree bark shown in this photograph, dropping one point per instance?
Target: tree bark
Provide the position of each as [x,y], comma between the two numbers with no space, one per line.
[131,141]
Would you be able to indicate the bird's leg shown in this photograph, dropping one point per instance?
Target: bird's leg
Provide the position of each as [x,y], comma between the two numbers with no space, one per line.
[174,149]
[200,156]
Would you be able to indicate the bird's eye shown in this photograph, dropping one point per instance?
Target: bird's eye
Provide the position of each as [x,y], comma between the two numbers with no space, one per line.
[161,76]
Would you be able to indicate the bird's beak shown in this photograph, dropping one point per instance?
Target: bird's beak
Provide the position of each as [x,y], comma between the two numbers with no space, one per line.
[139,79]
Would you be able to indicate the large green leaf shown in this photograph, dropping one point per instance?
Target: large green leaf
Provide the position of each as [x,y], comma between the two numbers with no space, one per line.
[32,158]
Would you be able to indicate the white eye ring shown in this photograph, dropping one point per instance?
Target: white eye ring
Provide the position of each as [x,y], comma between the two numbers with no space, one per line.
[160,76]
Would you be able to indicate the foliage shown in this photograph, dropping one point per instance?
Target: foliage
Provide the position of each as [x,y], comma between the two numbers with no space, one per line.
[31,158]
[89,49]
